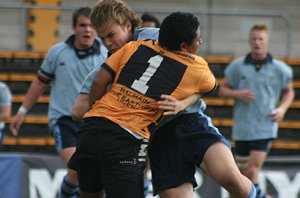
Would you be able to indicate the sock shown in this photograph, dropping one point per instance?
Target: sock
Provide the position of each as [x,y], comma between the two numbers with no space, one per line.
[146,186]
[252,193]
[259,193]
[68,190]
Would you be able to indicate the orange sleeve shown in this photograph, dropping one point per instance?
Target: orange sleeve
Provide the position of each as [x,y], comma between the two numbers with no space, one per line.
[208,82]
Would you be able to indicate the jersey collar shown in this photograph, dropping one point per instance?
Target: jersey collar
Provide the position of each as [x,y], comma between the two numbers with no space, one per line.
[94,49]
[258,63]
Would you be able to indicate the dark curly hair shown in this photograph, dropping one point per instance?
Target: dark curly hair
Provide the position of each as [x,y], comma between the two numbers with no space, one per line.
[176,28]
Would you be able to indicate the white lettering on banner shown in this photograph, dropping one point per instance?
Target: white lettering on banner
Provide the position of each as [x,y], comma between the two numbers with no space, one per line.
[41,185]
[283,184]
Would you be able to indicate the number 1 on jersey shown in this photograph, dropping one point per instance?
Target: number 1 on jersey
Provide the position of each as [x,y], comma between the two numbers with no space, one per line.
[141,84]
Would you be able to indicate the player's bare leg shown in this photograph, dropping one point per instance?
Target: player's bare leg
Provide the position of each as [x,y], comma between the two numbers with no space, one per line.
[219,164]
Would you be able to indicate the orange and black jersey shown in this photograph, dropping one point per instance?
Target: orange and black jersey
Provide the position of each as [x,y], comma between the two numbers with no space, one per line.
[142,72]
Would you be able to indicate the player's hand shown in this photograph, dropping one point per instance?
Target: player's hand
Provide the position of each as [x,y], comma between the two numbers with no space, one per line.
[170,105]
[245,95]
[16,123]
[277,115]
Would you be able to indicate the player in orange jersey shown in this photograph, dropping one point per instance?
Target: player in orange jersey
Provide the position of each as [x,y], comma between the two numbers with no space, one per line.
[112,142]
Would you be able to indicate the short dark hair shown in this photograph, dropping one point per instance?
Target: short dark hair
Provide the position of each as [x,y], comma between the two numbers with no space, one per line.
[148,17]
[176,28]
[83,11]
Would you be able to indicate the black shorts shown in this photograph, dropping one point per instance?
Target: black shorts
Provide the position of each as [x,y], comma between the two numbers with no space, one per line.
[179,146]
[243,148]
[110,158]
[65,131]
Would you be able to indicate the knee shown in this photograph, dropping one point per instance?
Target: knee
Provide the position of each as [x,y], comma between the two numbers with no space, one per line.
[251,171]
[236,184]
[242,162]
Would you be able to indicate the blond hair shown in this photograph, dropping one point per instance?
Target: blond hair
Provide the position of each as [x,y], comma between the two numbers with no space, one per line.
[105,12]
[259,27]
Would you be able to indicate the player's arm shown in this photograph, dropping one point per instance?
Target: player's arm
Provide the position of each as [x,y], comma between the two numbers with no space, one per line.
[172,106]
[100,84]
[287,98]
[5,112]
[35,90]
[6,100]
[245,95]
[80,107]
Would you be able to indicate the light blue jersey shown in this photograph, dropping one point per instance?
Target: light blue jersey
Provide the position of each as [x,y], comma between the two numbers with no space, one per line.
[66,68]
[139,34]
[5,100]
[252,120]
[145,34]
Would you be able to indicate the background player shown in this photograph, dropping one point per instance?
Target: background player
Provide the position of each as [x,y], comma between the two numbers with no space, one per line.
[65,66]
[262,89]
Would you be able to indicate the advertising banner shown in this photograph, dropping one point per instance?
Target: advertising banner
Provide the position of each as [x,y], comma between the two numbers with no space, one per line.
[39,176]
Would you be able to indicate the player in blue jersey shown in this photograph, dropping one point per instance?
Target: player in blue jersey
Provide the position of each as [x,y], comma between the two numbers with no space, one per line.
[262,88]
[65,67]
[114,33]
[5,107]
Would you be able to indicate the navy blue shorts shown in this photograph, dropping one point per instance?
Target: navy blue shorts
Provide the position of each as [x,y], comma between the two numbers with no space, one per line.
[109,157]
[177,147]
[65,131]
[243,148]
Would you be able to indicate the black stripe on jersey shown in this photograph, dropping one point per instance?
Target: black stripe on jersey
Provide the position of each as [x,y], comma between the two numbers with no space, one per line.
[213,89]
[44,73]
[163,81]
[44,76]
[107,68]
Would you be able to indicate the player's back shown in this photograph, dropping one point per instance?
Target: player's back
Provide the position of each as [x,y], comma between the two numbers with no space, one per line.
[143,72]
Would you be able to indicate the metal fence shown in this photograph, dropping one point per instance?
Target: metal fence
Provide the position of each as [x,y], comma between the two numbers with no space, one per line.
[221,28]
